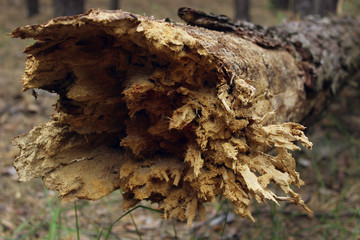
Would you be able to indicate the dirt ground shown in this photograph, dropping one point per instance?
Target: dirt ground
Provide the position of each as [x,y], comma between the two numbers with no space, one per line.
[330,170]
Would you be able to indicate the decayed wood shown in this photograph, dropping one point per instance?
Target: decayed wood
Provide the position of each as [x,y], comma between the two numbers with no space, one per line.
[172,113]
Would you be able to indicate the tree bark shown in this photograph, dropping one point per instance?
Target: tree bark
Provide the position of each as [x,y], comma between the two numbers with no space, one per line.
[177,114]
[68,7]
[242,8]
[32,7]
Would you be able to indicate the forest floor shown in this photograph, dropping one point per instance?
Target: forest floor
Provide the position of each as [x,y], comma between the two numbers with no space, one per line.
[331,170]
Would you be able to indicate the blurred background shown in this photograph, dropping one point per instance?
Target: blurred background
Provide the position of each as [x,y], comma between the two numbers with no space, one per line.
[330,171]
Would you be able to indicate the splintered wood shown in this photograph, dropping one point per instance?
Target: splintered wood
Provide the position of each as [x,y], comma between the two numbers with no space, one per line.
[166,112]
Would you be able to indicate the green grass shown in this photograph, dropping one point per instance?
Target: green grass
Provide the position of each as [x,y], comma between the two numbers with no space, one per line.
[77,223]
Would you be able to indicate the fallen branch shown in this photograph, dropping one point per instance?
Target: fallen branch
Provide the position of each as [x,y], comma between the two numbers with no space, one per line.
[172,113]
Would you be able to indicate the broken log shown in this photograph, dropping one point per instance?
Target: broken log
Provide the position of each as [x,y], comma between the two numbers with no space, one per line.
[177,114]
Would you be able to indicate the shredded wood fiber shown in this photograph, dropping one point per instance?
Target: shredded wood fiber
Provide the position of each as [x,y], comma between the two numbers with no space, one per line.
[166,112]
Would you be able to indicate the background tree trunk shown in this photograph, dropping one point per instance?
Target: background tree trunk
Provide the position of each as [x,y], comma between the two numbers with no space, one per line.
[68,7]
[327,7]
[316,7]
[280,4]
[242,10]
[115,4]
[32,7]
[304,8]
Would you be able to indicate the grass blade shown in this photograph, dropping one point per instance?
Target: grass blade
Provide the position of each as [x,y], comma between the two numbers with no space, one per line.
[174,227]
[136,228]
[128,212]
[101,232]
[225,223]
[54,224]
[77,223]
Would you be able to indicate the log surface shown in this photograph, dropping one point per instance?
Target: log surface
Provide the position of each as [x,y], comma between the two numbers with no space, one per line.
[168,112]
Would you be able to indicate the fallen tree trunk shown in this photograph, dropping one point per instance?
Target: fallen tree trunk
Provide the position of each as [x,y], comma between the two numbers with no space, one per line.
[177,114]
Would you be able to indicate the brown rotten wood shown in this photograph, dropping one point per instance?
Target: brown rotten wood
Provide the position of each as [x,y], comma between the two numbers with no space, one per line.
[177,114]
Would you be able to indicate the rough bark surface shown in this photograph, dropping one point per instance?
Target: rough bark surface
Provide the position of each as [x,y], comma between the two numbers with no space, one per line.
[328,53]
[170,113]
